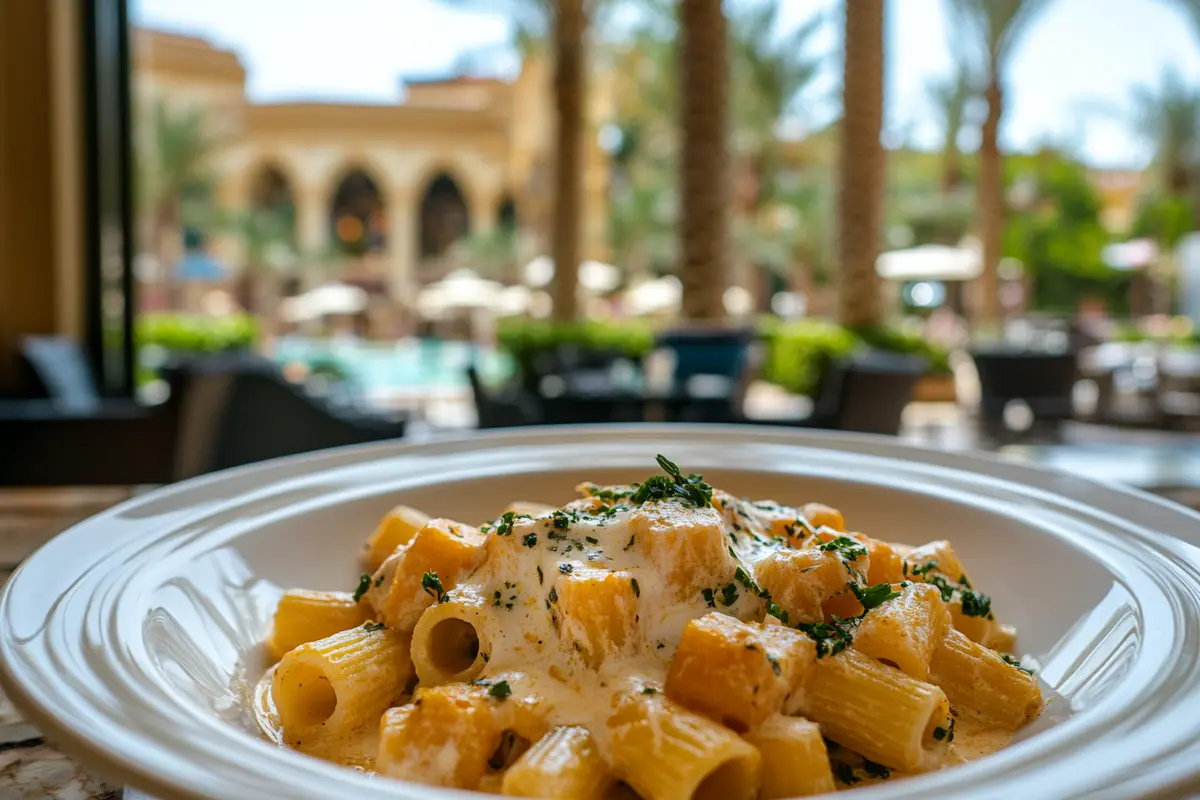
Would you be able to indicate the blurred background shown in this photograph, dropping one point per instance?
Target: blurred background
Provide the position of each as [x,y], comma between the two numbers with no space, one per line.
[232,230]
[241,230]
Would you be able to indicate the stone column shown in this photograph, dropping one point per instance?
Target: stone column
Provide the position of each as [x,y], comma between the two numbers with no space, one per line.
[402,236]
[312,222]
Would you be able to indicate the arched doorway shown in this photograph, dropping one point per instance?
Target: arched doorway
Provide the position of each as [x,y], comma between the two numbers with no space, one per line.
[506,215]
[270,191]
[357,215]
[444,216]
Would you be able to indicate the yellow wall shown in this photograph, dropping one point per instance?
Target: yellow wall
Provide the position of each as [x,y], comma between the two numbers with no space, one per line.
[40,259]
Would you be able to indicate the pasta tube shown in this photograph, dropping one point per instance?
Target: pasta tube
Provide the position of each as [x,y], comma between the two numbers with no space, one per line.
[904,631]
[303,616]
[980,682]
[737,673]
[666,752]
[873,709]
[563,765]
[335,685]
[397,527]
[795,762]
[450,642]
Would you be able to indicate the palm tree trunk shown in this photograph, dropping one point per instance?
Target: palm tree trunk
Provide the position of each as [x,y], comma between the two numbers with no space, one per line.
[991,204]
[861,171]
[704,191]
[950,161]
[570,23]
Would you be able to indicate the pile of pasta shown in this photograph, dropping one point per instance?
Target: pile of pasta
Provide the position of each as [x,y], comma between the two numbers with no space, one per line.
[660,639]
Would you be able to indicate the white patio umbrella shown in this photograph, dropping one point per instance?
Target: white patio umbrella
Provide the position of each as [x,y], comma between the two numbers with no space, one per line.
[930,262]
[332,298]
[663,294]
[462,289]
[594,276]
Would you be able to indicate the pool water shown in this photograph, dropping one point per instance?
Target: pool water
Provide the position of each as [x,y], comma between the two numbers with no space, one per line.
[405,365]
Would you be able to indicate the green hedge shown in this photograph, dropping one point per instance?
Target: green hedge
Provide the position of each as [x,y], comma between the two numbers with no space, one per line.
[523,337]
[183,333]
[797,353]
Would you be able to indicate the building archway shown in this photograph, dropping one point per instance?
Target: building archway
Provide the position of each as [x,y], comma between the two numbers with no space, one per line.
[506,215]
[444,216]
[357,215]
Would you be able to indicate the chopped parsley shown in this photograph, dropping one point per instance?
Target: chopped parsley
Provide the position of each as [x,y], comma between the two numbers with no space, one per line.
[379,581]
[976,604]
[1013,662]
[729,595]
[541,577]
[607,495]
[629,544]
[432,585]
[945,734]
[831,637]
[591,540]
[529,540]
[921,571]
[876,770]
[500,690]
[774,610]
[637,591]
[565,568]
[872,596]
[845,547]
[691,489]
[774,664]
[364,584]
[553,596]
[373,626]
[561,520]
[504,525]
[707,594]
[845,773]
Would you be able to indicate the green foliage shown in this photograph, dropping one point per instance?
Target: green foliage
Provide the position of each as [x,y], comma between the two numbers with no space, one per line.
[798,352]
[895,340]
[183,333]
[525,338]
[1164,219]
[1057,234]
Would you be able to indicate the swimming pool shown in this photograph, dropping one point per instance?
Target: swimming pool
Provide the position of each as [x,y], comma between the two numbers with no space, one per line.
[405,365]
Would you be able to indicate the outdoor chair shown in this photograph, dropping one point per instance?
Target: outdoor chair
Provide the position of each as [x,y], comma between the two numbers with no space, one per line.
[1044,382]
[238,409]
[865,393]
[58,368]
[506,409]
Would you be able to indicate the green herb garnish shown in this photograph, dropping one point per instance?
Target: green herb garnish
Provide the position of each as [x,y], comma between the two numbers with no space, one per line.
[707,594]
[1014,663]
[673,485]
[845,773]
[872,596]
[729,595]
[831,637]
[364,585]
[876,770]
[373,626]
[530,540]
[637,591]
[845,547]
[432,585]
[500,690]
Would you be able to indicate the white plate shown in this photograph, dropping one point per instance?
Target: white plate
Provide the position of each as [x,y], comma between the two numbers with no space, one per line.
[126,639]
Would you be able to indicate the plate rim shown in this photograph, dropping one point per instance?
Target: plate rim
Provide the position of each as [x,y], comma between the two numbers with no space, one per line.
[109,757]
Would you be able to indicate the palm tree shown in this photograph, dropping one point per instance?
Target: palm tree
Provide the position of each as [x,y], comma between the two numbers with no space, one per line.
[950,96]
[174,179]
[770,72]
[997,26]
[704,158]
[1167,117]
[862,165]
[567,23]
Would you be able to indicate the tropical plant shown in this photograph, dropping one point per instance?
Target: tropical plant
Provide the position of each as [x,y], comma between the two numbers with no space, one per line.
[174,177]
[997,26]
[861,169]
[492,254]
[268,243]
[951,96]
[1167,117]
[704,189]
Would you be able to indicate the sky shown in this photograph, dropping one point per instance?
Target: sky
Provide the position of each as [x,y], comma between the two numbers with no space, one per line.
[1069,83]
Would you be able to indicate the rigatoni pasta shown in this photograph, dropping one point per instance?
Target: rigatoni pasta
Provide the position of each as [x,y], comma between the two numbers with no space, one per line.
[662,639]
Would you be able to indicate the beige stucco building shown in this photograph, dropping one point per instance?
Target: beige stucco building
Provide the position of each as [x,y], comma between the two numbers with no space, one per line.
[457,155]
